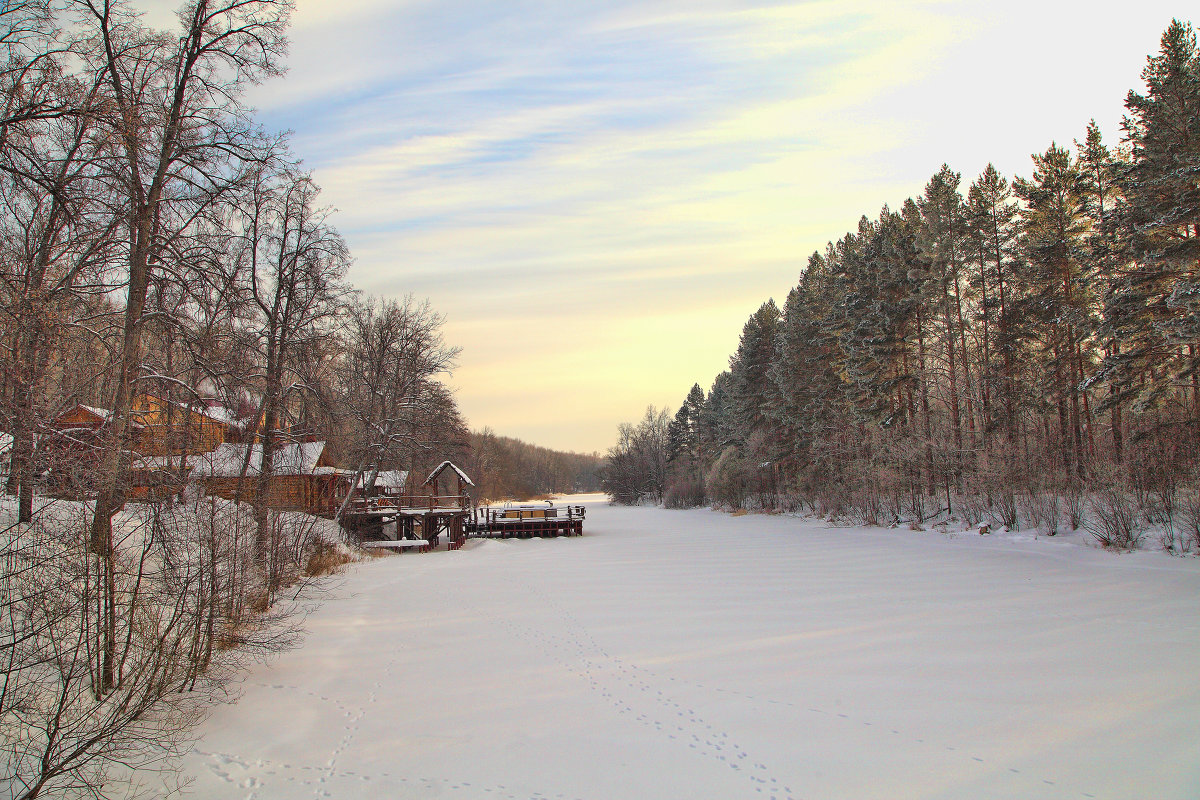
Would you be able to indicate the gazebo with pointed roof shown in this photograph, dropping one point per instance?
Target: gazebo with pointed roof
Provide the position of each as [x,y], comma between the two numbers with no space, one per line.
[434,481]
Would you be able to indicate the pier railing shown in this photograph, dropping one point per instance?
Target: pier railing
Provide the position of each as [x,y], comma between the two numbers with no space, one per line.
[416,503]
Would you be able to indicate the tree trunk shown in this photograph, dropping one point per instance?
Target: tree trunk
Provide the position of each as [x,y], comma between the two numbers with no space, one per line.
[966,364]
[1064,424]
[985,380]
[955,414]
[925,405]
[262,490]
[113,459]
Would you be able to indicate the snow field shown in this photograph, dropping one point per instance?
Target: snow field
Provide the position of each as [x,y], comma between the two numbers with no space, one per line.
[691,654]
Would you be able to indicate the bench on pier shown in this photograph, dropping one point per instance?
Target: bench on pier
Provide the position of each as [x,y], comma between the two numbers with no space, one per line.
[400,545]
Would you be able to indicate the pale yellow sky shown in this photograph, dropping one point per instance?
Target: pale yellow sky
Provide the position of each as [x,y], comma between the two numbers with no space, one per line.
[598,194]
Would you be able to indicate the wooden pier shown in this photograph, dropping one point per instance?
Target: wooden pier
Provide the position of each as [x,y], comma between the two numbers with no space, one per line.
[526,521]
[427,517]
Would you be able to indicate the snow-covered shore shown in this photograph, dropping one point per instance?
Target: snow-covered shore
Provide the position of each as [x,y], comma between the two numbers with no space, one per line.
[693,654]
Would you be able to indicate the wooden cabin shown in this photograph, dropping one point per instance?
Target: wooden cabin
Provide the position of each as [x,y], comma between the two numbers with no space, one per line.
[386,483]
[79,418]
[169,427]
[160,427]
[302,479]
[153,478]
[69,449]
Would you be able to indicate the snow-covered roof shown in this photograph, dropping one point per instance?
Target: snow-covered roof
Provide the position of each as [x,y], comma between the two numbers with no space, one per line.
[462,475]
[102,413]
[226,461]
[6,442]
[386,479]
[139,461]
[214,409]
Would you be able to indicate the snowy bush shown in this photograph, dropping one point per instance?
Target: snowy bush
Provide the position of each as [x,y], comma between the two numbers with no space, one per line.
[1114,518]
[916,505]
[833,502]
[869,505]
[1004,510]
[973,508]
[729,480]
[110,661]
[1073,503]
[63,731]
[684,493]
[1189,521]
[1041,510]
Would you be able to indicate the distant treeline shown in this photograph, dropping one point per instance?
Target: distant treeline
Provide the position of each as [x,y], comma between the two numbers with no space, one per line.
[509,468]
[988,346]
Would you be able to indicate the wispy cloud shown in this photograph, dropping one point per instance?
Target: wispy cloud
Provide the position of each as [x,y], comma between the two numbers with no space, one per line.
[593,185]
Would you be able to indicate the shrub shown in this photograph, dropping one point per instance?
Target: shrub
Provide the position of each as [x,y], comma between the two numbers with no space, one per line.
[1073,499]
[325,558]
[729,480]
[1004,510]
[833,502]
[867,506]
[974,509]
[1189,521]
[1041,510]
[684,493]
[1114,520]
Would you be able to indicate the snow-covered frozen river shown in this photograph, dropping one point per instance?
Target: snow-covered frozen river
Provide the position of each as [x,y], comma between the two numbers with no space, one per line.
[691,654]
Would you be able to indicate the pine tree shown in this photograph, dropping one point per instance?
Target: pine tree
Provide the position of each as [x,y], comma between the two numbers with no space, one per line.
[695,406]
[752,391]
[716,424]
[992,217]
[677,437]
[1103,250]
[683,434]
[942,241]
[1156,303]
[807,365]
[1057,306]
[879,303]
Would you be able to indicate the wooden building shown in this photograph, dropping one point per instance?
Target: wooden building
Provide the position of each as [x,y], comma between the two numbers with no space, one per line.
[154,478]
[440,507]
[302,479]
[165,437]
[80,419]
[69,450]
[384,483]
[168,427]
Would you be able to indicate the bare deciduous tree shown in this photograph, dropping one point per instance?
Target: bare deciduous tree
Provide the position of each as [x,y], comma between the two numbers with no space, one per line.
[178,140]
[291,264]
[394,353]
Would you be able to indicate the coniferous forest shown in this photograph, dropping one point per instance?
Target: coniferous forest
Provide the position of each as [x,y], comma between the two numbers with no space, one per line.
[1024,351]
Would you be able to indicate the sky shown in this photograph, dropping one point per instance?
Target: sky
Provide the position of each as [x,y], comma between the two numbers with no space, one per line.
[597,195]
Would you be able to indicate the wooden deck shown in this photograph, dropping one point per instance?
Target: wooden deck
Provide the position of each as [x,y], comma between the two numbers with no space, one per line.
[526,521]
[431,517]
[417,517]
